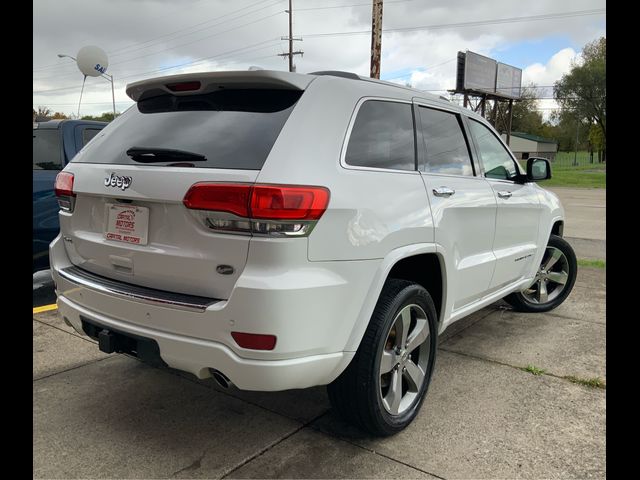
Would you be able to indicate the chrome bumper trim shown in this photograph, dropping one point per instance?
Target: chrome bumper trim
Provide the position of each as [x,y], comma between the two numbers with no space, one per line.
[128,291]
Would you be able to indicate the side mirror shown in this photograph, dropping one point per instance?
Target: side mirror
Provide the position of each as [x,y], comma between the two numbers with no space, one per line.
[538,169]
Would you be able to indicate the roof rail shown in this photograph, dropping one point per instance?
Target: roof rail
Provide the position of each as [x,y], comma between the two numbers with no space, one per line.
[337,73]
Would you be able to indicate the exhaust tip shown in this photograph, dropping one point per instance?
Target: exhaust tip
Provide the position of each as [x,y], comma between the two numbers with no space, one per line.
[221,379]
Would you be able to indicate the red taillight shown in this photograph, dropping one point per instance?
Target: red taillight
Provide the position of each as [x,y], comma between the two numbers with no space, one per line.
[254,341]
[264,202]
[64,185]
[232,198]
[184,86]
[273,202]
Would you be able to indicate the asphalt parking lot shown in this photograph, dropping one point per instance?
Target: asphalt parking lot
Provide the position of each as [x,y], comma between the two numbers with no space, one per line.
[510,397]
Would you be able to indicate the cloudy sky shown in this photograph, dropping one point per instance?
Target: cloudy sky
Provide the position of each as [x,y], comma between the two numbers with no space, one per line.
[150,38]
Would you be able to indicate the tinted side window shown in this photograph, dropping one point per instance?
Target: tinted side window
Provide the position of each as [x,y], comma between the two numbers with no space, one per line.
[88,134]
[46,149]
[446,147]
[495,158]
[382,136]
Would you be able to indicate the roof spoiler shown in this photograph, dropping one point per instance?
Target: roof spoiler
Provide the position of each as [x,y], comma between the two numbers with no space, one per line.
[206,82]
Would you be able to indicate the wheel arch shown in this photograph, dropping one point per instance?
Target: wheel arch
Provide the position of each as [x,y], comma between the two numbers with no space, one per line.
[426,269]
[404,263]
[558,228]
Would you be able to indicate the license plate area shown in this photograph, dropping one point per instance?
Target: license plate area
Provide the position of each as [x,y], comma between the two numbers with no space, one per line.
[126,223]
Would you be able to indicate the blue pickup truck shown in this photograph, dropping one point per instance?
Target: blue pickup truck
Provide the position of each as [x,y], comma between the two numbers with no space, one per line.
[55,142]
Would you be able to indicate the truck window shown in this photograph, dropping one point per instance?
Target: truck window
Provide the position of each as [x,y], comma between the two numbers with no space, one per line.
[47,149]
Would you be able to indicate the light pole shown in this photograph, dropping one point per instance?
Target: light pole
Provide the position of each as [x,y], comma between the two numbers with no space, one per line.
[575,153]
[106,76]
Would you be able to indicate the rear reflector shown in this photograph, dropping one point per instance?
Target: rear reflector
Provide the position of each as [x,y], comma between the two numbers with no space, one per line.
[264,202]
[184,86]
[254,341]
[232,198]
[64,185]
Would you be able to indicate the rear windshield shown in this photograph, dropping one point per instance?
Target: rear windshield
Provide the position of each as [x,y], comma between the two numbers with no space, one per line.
[47,150]
[233,129]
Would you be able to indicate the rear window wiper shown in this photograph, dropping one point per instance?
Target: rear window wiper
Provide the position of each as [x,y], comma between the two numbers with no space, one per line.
[152,155]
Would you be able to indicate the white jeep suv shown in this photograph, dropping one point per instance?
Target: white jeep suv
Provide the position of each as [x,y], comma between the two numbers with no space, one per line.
[279,230]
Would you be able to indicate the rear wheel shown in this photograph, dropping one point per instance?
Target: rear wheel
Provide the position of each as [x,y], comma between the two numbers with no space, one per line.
[383,387]
[553,282]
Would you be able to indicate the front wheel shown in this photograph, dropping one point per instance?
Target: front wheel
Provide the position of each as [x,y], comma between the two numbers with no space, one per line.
[553,282]
[383,387]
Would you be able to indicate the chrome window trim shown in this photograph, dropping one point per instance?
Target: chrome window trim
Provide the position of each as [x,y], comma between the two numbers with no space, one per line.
[452,109]
[449,175]
[345,143]
[486,124]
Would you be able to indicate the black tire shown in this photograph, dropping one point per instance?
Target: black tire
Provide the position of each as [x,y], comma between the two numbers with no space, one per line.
[522,303]
[356,394]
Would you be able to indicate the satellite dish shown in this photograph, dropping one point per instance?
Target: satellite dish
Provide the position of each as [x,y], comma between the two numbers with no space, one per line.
[92,61]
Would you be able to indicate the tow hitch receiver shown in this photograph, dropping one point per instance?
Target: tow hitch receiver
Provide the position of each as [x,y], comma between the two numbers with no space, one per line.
[115,341]
[107,341]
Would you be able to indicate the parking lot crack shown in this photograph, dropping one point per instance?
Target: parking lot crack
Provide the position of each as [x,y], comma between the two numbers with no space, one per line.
[86,339]
[566,378]
[375,452]
[72,368]
[566,317]
[195,465]
[273,444]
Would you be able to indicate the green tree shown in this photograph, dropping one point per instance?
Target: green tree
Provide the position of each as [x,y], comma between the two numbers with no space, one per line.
[105,117]
[566,125]
[596,140]
[526,117]
[42,112]
[583,90]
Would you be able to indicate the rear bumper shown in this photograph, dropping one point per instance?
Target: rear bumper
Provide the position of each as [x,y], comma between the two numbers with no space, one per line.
[311,308]
[197,356]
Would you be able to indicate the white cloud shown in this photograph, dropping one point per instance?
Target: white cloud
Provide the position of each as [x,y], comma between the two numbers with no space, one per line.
[138,35]
[547,74]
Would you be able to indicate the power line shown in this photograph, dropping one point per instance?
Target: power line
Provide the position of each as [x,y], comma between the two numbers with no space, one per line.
[83,103]
[176,46]
[579,13]
[115,52]
[224,54]
[177,66]
[423,70]
[352,5]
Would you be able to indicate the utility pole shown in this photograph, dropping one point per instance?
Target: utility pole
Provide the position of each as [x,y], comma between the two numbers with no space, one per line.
[292,67]
[376,38]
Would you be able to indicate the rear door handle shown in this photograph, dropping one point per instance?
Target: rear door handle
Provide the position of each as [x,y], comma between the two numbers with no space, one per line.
[504,194]
[443,191]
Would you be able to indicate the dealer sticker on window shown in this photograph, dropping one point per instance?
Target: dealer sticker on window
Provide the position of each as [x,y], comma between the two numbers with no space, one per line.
[127,223]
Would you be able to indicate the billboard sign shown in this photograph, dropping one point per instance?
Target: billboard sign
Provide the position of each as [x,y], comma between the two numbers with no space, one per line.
[508,81]
[479,73]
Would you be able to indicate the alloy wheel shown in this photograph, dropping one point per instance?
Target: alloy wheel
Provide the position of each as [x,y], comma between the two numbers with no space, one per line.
[405,358]
[551,278]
